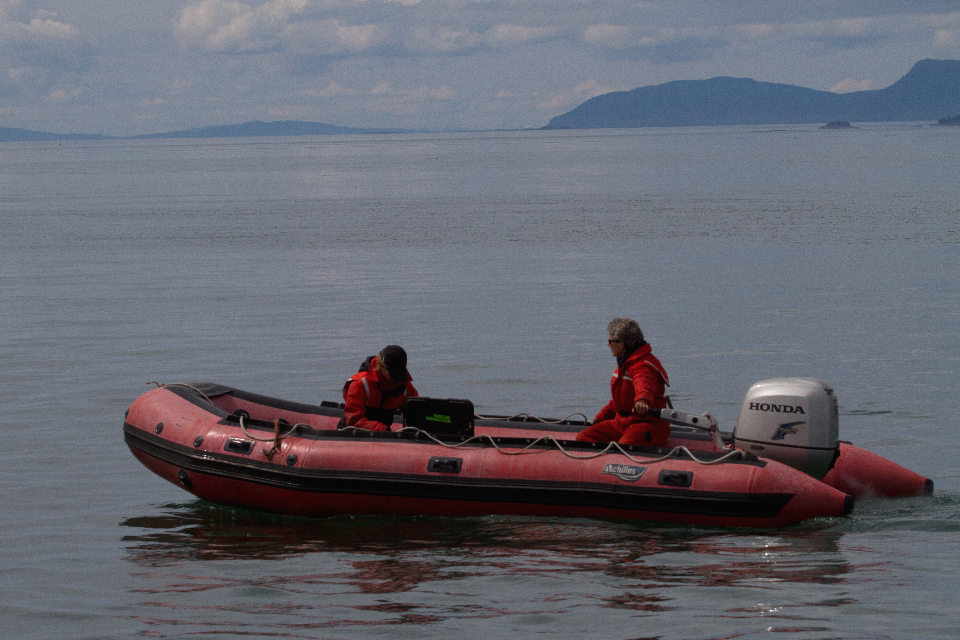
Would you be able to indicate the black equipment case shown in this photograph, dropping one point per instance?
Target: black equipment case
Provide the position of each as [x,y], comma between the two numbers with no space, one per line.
[442,417]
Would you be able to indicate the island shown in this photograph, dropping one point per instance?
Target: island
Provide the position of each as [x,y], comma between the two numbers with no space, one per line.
[839,124]
[930,89]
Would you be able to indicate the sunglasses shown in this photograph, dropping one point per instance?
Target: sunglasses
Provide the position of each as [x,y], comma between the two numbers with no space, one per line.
[614,341]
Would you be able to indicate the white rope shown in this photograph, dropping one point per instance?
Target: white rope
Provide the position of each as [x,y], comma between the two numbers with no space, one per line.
[289,432]
[673,453]
[180,384]
[530,417]
[277,437]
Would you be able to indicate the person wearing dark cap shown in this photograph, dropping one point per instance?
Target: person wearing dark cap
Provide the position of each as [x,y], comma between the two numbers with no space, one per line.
[372,395]
[638,385]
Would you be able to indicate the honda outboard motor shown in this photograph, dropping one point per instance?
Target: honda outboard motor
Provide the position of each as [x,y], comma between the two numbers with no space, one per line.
[791,420]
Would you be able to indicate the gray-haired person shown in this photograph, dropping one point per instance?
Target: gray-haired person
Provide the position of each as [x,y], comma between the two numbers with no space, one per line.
[638,385]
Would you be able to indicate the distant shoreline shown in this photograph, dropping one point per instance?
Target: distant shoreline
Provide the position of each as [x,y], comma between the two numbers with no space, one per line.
[930,91]
[25,135]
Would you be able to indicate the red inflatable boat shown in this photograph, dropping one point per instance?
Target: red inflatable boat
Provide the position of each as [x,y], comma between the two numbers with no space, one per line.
[241,449]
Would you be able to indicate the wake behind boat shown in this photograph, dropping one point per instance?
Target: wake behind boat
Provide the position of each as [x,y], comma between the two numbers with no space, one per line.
[246,450]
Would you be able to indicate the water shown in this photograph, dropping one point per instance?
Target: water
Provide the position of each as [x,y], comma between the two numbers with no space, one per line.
[276,265]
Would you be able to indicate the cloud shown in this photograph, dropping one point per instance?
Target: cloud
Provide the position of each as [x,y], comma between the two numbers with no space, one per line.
[859,32]
[608,35]
[443,40]
[701,40]
[849,85]
[282,26]
[228,26]
[332,37]
[332,90]
[946,37]
[309,28]
[673,50]
[843,34]
[38,50]
[513,34]
[419,94]
[447,39]
[40,30]
[661,45]
[408,102]
[580,93]
[362,36]
[181,85]
[63,95]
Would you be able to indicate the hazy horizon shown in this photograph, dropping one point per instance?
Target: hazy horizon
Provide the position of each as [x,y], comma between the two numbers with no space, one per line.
[119,69]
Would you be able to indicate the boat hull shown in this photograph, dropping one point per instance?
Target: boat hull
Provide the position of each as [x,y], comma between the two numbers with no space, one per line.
[189,437]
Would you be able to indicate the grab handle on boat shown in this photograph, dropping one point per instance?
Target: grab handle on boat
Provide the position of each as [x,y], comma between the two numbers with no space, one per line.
[445,465]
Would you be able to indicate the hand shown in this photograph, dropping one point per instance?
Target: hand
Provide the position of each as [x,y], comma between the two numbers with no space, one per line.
[641,408]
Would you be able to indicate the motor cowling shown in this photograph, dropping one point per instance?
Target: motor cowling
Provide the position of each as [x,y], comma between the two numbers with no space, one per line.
[791,420]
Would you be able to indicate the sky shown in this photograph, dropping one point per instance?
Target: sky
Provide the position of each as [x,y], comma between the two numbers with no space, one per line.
[120,67]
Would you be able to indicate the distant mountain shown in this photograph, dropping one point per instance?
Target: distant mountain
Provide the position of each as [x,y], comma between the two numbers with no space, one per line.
[949,122]
[929,91]
[11,134]
[257,128]
[251,129]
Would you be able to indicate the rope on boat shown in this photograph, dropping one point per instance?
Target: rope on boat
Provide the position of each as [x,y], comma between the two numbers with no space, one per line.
[673,453]
[161,385]
[276,431]
[276,439]
[528,417]
[277,436]
[712,429]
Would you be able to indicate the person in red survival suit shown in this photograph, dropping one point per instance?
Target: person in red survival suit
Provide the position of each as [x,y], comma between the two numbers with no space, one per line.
[373,394]
[638,385]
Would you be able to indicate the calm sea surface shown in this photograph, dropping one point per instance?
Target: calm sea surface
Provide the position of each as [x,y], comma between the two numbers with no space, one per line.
[276,265]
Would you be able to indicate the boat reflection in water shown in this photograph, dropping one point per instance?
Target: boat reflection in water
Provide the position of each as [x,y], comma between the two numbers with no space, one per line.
[345,571]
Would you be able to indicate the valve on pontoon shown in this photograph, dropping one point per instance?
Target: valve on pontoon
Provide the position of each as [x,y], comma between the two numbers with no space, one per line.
[791,420]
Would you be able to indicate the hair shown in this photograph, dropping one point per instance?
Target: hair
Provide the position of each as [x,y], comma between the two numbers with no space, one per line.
[626,330]
[393,360]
